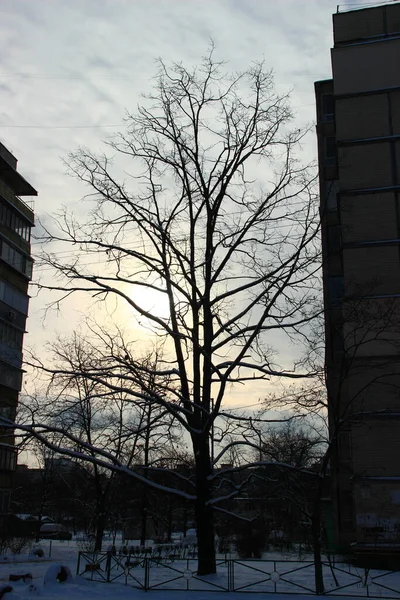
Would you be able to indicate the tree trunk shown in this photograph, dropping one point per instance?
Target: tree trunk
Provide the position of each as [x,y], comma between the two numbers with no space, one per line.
[316,533]
[169,523]
[204,513]
[99,534]
[100,525]
[185,520]
[143,528]
[39,524]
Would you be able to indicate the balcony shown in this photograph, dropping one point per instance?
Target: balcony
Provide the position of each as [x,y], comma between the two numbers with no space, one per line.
[359,6]
[25,207]
[8,458]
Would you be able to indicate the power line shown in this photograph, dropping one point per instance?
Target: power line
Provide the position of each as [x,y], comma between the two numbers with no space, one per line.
[58,126]
[68,254]
[13,126]
[100,263]
[274,228]
[68,77]
[241,407]
[50,77]
[126,246]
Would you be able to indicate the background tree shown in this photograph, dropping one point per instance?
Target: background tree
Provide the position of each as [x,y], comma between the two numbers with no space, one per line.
[291,443]
[136,433]
[343,397]
[210,241]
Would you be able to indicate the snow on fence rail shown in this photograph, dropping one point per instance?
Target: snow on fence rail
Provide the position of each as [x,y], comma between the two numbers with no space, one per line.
[237,575]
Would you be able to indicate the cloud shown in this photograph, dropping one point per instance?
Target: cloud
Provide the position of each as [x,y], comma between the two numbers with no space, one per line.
[5,89]
[84,63]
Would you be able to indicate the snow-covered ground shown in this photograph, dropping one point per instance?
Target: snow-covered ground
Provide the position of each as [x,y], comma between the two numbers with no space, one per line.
[272,575]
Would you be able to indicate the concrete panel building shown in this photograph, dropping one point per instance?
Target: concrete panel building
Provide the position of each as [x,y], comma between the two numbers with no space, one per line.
[358,128]
[16,221]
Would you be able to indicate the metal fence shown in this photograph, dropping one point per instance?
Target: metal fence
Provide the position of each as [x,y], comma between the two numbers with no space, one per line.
[235,575]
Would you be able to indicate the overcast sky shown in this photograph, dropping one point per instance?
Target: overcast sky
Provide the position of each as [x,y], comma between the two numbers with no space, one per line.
[70,68]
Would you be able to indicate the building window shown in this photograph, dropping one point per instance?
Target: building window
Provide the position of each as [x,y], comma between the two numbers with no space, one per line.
[8,412]
[332,195]
[11,336]
[5,501]
[346,510]
[10,377]
[330,151]
[395,496]
[334,238]
[11,355]
[344,447]
[16,259]
[365,492]
[328,107]
[13,221]
[336,290]
[337,339]
[8,458]
[10,352]
[13,297]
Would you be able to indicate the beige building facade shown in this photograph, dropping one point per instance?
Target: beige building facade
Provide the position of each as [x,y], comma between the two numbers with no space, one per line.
[358,128]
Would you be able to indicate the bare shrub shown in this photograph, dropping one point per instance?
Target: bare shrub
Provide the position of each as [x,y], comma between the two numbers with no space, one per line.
[85,543]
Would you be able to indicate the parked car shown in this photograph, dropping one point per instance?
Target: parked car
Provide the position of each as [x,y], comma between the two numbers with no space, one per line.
[54,531]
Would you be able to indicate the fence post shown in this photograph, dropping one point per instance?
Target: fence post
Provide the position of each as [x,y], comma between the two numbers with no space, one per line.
[79,562]
[108,566]
[146,574]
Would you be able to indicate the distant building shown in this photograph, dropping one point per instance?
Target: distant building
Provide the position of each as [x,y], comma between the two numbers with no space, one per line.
[16,221]
[358,127]
[61,464]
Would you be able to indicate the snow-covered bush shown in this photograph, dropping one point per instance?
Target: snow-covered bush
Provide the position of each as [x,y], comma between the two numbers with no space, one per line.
[85,543]
[14,545]
[17,545]
[3,545]
[57,573]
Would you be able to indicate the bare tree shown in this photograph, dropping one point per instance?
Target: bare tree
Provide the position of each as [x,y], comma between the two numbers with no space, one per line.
[214,216]
[291,443]
[136,433]
[343,397]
